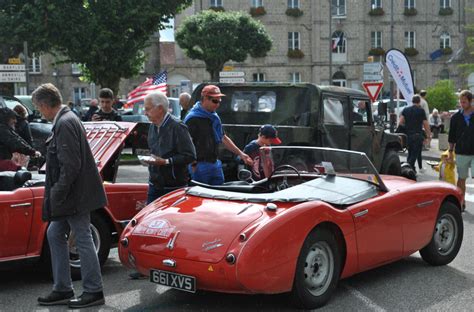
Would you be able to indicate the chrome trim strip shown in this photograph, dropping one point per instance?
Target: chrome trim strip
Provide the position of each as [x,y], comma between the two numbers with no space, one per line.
[361,213]
[245,208]
[424,204]
[170,244]
[182,199]
[20,205]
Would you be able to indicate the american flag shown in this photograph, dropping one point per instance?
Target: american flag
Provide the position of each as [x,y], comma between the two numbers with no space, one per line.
[156,83]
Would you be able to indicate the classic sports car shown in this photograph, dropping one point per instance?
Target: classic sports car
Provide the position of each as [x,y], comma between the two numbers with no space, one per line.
[23,233]
[299,230]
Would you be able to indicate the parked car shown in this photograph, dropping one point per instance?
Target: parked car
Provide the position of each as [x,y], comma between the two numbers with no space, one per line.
[305,115]
[297,230]
[23,233]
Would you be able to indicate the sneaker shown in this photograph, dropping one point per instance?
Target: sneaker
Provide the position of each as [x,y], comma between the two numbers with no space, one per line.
[422,170]
[56,298]
[87,300]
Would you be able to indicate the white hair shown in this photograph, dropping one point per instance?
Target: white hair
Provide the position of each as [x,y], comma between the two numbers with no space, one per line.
[158,99]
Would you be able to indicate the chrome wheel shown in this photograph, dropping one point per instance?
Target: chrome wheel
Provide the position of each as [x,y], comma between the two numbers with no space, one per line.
[446,234]
[74,260]
[318,268]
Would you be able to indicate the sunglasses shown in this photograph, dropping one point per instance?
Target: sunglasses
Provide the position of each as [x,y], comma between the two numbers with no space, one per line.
[214,100]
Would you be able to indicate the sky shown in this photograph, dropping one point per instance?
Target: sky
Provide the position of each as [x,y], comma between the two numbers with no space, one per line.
[168,33]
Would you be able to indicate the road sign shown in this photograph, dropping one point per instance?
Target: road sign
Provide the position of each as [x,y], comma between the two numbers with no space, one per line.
[373,71]
[228,68]
[12,77]
[232,80]
[227,74]
[11,67]
[373,89]
[14,60]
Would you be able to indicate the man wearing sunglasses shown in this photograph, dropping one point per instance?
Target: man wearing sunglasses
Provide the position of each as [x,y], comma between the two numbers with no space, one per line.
[206,131]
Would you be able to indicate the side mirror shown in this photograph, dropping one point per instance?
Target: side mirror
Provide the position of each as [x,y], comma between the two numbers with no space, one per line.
[244,175]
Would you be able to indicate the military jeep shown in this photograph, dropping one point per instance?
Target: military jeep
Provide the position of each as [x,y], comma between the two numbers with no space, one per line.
[305,115]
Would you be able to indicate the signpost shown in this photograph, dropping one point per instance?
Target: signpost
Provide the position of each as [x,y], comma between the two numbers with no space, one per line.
[373,89]
[231,77]
[373,71]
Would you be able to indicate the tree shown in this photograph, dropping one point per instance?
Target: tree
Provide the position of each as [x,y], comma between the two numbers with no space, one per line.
[107,37]
[442,95]
[218,37]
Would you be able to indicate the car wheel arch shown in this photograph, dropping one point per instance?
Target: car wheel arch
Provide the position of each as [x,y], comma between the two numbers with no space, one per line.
[452,199]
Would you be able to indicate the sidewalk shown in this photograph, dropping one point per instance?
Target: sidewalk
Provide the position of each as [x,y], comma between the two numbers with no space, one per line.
[432,154]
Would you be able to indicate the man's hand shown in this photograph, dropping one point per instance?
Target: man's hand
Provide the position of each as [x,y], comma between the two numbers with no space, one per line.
[157,161]
[96,117]
[450,156]
[246,158]
[37,154]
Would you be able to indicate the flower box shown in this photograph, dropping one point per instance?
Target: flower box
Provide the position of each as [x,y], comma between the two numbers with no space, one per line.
[447,51]
[377,51]
[445,11]
[257,11]
[295,53]
[295,12]
[376,12]
[410,12]
[217,8]
[411,52]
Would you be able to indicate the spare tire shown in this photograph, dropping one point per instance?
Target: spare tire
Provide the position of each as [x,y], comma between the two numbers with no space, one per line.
[391,163]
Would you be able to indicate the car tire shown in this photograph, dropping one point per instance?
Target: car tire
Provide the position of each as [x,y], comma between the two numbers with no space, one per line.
[391,163]
[317,270]
[447,236]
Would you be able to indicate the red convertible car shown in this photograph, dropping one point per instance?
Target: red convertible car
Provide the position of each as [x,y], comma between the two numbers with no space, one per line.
[23,233]
[299,230]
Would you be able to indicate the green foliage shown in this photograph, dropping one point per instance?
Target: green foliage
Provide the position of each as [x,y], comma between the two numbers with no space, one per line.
[295,53]
[442,95]
[447,51]
[376,12]
[217,8]
[377,51]
[445,11]
[216,38]
[411,52]
[294,12]
[410,12]
[107,36]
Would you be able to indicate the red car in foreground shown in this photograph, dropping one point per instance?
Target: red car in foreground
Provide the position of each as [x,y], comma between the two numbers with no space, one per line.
[310,223]
[23,233]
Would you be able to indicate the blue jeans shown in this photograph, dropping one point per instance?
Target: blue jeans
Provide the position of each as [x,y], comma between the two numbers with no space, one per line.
[155,192]
[209,173]
[90,267]
[415,145]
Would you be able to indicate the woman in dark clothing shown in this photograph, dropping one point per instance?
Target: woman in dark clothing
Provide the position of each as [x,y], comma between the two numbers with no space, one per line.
[22,126]
[11,142]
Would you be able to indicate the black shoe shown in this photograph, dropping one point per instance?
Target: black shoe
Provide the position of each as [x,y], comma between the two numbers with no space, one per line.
[136,275]
[87,300]
[56,298]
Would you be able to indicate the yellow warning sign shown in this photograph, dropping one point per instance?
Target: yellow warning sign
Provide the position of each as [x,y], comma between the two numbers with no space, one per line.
[14,60]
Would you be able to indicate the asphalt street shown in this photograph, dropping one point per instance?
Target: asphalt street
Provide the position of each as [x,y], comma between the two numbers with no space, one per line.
[406,285]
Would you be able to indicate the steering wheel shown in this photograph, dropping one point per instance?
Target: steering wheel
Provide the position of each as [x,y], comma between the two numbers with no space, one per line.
[285,167]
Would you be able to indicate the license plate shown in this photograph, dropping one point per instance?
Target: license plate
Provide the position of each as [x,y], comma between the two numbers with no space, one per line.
[174,280]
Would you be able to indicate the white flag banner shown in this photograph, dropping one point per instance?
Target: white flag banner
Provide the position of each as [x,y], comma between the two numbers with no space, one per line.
[398,65]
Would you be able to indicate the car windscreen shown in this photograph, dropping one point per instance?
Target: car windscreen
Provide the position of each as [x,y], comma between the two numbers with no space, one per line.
[281,105]
[319,161]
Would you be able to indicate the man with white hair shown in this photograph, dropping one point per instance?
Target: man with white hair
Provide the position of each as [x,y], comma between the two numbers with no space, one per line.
[170,146]
[185,103]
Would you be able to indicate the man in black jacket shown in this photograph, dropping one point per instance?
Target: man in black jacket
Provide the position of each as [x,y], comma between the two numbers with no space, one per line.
[106,111]
[170,145]
[73,189]
[461,140]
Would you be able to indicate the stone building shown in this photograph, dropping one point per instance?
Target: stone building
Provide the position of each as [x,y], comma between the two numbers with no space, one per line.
[432,31]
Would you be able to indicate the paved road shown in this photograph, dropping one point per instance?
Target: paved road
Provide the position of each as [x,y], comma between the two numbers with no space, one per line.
[406,285]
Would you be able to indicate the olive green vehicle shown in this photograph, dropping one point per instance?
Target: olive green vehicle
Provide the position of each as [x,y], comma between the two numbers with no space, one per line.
[305,115]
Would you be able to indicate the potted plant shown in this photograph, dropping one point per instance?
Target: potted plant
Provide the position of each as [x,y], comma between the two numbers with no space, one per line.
[377,51]
[447,51]
[445,11]
[411,51]
[295,12]
[295,53]
[376,12]
[410,11]
[217,8]
[257,11]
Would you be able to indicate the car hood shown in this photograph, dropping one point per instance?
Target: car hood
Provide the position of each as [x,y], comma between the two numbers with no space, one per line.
[202,229]
[106,139]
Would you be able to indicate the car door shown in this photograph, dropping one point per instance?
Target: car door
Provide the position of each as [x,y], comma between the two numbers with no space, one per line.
[335,122]
[379,234]
[16,211]
[362,130]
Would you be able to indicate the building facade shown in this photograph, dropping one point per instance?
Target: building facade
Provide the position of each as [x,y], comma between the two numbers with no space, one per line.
[430,31]
[308,36]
